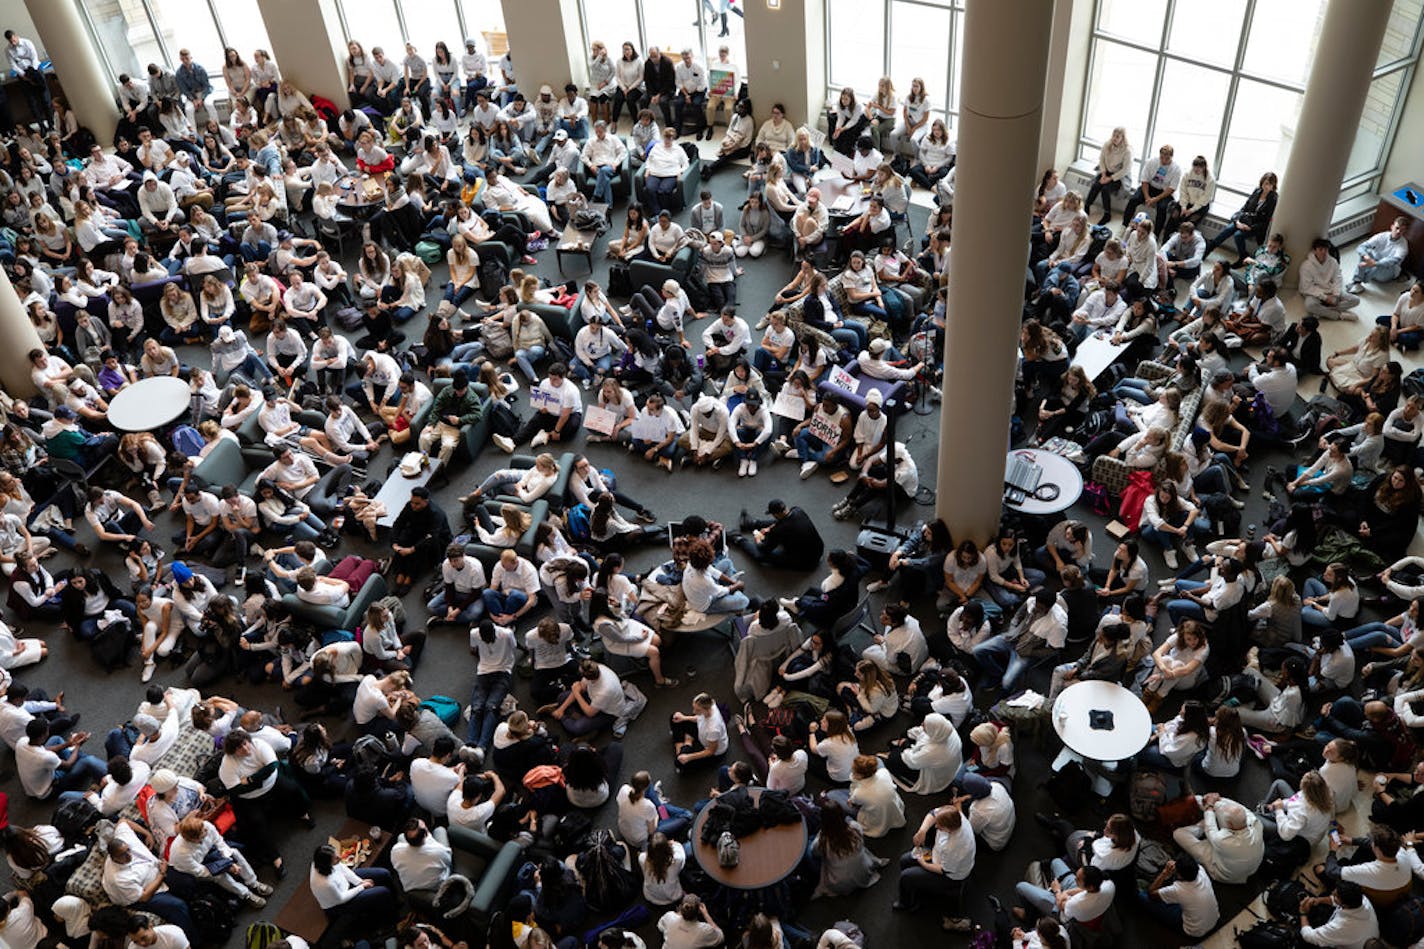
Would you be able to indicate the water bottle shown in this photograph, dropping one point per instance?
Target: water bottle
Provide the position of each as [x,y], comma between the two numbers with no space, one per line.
[701,361]
[1250,531]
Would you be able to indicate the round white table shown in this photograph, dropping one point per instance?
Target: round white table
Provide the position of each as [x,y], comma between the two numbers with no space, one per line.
[150,404]
[1132,723]
[1057,471]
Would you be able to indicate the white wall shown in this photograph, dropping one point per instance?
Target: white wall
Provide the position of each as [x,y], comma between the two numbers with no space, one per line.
[1406,158]
[14,16]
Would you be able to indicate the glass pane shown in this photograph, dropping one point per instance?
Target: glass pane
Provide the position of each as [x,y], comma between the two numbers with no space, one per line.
[1137,20]
[857,30]
[1283,37]
[726,27]
[613,22]
[1263,121]
[484,19]
[244,27]
[1373,132]
[430,21]
[1207,30]
[1399,35]
[188,24]
[672,25]
[918,36]
[125,35]
[1119,93]
[1189,110]
[957,64]
[374,23]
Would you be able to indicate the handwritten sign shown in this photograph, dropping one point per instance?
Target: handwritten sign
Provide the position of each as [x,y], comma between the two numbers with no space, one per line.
[789,404]
[649,428]
[719,81]
[844,380]
[599,420]
[825,427]
[542,400]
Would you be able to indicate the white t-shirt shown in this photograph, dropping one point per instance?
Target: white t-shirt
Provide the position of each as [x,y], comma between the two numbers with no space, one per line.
[954,851]
[712,731]
[432,783]
[606,692]
[36,765]
[1198,901]
[788,775]
[668,890]
[634,817]
[471,818]
[839,756]
[370,701]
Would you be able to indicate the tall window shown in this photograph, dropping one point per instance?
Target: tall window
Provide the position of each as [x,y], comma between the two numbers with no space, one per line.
[130,34]
[703,26]
[390,24]
[1225,79]
[903,39]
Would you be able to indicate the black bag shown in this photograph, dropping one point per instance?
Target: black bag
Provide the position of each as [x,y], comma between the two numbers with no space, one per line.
[1403,923]
[572,833]
[1070,788]
[1283,898]
[1269,935]
[349,318]
[213,919]
[493,273]
[1283,857]
[74,819]
[110,646]
[620,281]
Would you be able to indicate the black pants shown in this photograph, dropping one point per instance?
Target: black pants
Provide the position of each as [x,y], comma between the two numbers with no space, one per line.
[631,99]
[1164,207]
[545,422]
[1107,191]
[254,815]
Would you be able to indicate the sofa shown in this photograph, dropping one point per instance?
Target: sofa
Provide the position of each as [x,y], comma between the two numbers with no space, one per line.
[1113,473]
[226,464]
[488,864]
[560,320]
[794,315]
[558,493]
[651,273]
[621,183]
[684,196]
[330,617]
[888,388]
[476,435]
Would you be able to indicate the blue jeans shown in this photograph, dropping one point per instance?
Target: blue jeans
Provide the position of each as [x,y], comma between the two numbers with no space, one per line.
[600,367]
[458,295]
[403,314]
[526,358]
[729,603]
[998,659]
[667,451]
[660,191]
[1043,900]
[811,448]
[678,819]
[254,368]
[489,692]
[86,770]
[577,129]
[1166,914]
[1184,608]
[603,184]
[866,308]
[745,434]
[1381,273]
[1310,616]
[469,614]
[255,252]
[308,528]
[1371,635]
[508,602]
[1408,339]
[1129,388]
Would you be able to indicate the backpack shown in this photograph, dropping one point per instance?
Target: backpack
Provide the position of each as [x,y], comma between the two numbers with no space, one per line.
[1070,788]
[428,251]
[261,935]
[1099,501]
[572,832]
[74,819]
[446,708]
[1283,899]
[1269,935]
[1283,857]
[493,273]
[349,318]
[1263,418]
[1403,923]
[187,440]
[729,850]
[576,523]
[1413,384]
[1145,792]
[213,919]
[110,645]
[620,280]
[371,752]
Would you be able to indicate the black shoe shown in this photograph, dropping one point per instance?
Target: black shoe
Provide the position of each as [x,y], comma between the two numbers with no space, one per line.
[1105,219]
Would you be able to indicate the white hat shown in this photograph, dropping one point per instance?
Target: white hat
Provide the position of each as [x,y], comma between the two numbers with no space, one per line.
[162,781]
[878,346]
[226,334]
[875,395]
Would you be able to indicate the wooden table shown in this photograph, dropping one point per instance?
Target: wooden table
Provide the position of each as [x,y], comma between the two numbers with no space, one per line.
[395,493]
[150,404]
[834,185]
[576,242]
[302,916]
[767,856]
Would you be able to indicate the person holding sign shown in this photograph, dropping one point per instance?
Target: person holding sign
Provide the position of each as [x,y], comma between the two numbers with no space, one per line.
[558,410]
[824,436]
[655,432]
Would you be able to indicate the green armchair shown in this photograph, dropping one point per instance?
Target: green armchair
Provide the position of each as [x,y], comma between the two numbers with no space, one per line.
[489,865]
[476,435]
[329,617]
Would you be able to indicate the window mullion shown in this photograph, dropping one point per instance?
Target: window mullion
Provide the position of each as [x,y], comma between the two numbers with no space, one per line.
[157,33]
[400,19]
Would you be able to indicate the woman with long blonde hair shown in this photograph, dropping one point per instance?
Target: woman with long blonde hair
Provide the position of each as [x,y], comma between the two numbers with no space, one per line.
[1114,165]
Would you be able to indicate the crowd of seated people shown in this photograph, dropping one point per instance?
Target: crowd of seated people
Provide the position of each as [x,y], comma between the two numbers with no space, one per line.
[190,237]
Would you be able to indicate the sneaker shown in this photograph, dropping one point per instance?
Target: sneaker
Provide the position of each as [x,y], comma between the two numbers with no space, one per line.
[787,602]
[875,586]
[646,517]
[1170,556]
[1356,287]
[1191,552]
[255,901]
[539,440]
[751,468]
[742,468]
[957,924]
[261,889]
[241,576]
[148,668]
[665,464]
[808,469]
[780,445]
[505,443]
[1238,504]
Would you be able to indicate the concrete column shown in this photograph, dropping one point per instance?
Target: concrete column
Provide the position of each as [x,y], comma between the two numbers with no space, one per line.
[307,43]
[788,49]
[1334,101]
[17,339]
[80,72]
[1063,37]
[1006,47]
[547,40]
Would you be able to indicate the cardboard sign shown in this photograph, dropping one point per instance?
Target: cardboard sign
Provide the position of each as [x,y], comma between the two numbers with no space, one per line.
[789,405]
[719,81]
[599,420]
[843,380]
[826,428]
[542,400]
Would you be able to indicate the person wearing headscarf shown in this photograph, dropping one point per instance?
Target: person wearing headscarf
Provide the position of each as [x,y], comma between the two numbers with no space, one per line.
[928,758]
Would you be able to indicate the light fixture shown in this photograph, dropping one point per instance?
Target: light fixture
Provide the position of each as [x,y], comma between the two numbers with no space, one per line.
[773,4]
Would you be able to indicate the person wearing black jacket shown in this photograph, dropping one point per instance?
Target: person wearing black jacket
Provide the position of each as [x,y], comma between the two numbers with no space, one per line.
[84,600]
[1253,220]
[378,801]
[659,82]
[788,539]
[678,378]
[419,533]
